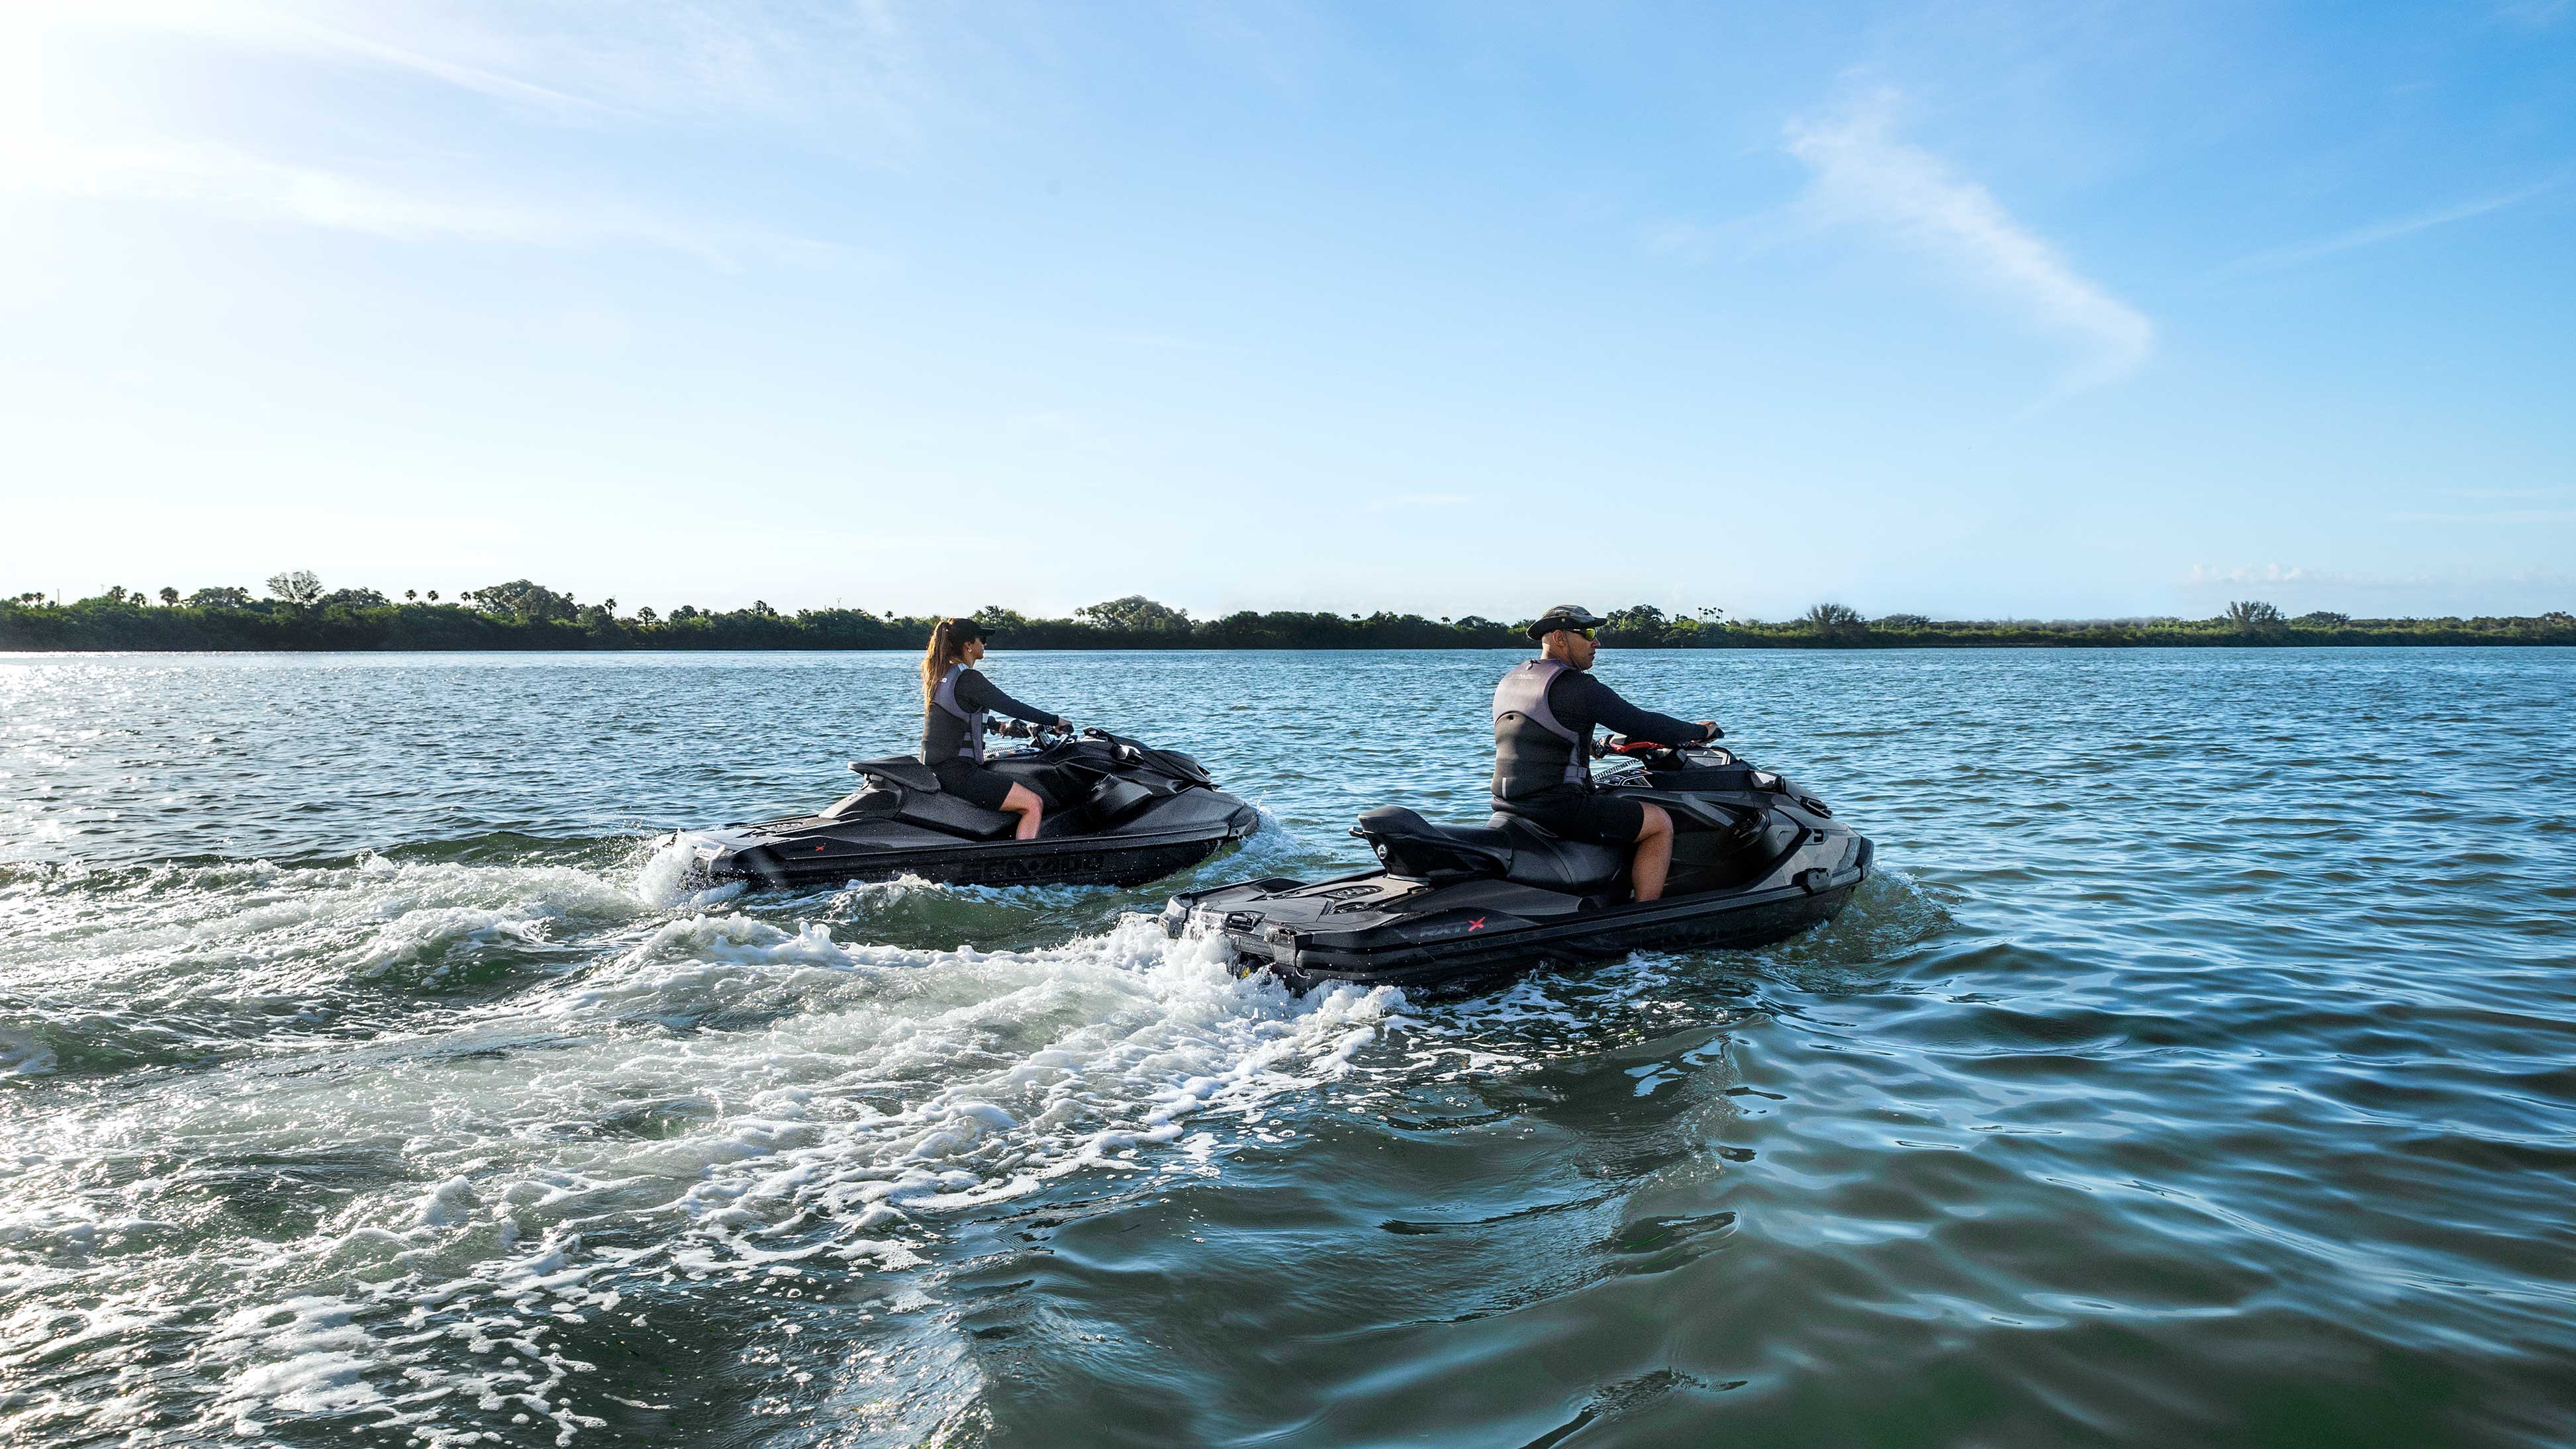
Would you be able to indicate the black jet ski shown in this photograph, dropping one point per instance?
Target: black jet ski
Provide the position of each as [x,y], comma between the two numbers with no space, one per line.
[1117,813]
[1755,859]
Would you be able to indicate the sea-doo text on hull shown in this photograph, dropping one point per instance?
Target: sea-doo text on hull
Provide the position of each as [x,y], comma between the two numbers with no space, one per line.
[1755,859]
[1117,813]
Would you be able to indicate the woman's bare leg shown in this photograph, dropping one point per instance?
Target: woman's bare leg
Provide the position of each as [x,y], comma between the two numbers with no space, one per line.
[1026,805]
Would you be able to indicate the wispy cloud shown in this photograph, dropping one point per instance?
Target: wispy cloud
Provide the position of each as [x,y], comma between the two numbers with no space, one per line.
[329,39]
[2270,573]
[1694,241]
[2506,492]
[771,57]
[1416,500]
[242,184]
[1158,341]
[2276,258]
[2497,517]
[2533,14]
[322,30]
[599,71]
[2470,587]
[1865,175]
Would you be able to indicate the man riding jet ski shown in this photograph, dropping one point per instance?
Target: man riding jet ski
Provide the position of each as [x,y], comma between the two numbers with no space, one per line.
[1690,847]
[1544,713]
[1117,812]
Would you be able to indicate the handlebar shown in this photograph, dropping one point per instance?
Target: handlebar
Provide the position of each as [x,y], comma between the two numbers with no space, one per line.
[1625,747]
[1047,735]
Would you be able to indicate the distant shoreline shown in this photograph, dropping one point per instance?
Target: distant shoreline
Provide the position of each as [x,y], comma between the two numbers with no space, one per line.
[526,618]
[1138,646]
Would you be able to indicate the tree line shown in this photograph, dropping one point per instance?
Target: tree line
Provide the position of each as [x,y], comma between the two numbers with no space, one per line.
[298,613]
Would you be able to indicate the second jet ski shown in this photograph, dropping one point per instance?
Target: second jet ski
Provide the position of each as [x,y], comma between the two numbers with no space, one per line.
[1118,812]
[1756,859]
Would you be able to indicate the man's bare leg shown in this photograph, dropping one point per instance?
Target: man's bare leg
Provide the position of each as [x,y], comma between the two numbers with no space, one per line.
[1654,857]
[1029,807]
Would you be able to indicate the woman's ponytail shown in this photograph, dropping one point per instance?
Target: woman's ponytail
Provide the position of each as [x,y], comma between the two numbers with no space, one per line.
[947,646]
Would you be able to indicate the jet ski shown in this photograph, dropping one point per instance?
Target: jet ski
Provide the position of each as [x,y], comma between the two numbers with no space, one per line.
[1756,859]
[1118,812]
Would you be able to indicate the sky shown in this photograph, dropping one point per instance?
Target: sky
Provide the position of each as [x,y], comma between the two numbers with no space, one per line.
[2058,310]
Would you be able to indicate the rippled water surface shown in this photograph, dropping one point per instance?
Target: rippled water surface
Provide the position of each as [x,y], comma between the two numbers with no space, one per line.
[2197,1069]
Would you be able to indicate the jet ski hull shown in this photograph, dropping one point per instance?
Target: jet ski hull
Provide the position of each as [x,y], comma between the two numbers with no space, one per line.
[1754,863]
[1463,958]
[1121,814]
[828,856]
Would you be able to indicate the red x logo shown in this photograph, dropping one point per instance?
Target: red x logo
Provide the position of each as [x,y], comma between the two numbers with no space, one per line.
[1477,924]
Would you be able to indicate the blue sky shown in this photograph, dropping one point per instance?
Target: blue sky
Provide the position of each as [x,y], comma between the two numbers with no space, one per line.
[2056,310]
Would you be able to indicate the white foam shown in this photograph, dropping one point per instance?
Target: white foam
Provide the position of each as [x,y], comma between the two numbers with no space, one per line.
[669,877]
[730,1096]
[245,929]
[722,1096]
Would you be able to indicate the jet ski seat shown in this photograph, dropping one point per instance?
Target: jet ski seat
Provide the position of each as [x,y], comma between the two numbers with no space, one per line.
[1506,848]
[918,800]
[1552,862]
[902,770]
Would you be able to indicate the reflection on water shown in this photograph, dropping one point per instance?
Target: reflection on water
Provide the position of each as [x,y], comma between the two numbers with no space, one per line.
[2196,1068]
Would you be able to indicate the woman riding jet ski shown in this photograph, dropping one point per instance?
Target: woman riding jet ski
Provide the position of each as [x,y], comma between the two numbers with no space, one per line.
[1693,847]
[1093,810]
[955,697]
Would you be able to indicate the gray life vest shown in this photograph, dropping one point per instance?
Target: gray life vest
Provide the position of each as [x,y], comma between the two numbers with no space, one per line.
[947,732]
[1533,750]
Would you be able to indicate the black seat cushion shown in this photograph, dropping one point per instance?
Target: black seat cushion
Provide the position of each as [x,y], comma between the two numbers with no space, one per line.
[921,802]
[1416,848]
[1552,862]
[911,774]
[1506,847]
[953,815]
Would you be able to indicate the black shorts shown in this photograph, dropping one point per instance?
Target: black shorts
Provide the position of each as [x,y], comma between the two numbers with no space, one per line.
[1601,817]
[972,783]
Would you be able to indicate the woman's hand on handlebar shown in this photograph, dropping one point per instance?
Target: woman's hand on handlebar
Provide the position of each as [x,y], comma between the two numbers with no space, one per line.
[1714,732]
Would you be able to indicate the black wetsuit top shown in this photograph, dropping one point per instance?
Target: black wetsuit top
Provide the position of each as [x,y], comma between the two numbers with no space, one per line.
[946,738]
[1582,704]
[975,692]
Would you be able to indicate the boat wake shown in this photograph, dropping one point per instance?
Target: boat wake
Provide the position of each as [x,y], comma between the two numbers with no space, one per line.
[442,1225]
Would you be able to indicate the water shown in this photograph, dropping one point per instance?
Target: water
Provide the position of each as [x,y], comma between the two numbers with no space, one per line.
[2197,1069]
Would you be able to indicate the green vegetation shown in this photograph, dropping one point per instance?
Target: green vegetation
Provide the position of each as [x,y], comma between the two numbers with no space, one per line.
[301,615]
